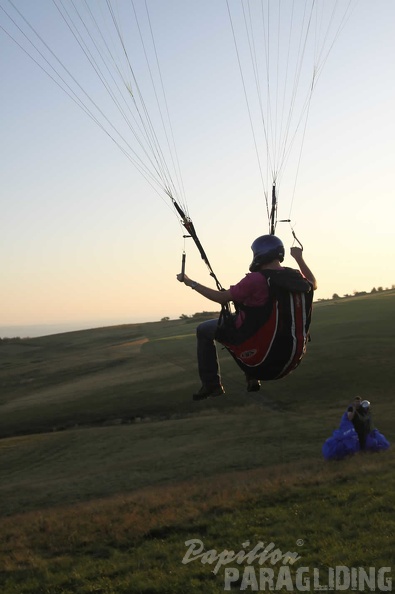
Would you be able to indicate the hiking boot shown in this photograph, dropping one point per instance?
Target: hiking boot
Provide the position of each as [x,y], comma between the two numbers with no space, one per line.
[208,392]
[253,385]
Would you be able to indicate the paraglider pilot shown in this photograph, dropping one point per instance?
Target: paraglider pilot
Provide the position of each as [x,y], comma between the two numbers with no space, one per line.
[361,419]
[254,294]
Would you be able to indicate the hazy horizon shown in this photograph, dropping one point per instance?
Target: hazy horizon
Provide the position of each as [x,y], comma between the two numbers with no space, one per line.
[36,330]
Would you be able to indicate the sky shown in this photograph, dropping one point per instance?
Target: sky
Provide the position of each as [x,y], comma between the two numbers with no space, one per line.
[87,241]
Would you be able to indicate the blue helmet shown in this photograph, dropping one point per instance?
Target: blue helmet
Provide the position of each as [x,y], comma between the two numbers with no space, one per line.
[266,248]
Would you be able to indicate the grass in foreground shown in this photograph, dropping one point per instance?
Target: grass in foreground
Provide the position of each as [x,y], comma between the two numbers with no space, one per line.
[333,514]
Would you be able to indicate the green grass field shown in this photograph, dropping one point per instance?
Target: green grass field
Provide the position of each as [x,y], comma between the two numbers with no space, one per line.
[107,467]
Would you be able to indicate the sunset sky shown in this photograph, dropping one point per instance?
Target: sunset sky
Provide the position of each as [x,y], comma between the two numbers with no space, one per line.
[86,240]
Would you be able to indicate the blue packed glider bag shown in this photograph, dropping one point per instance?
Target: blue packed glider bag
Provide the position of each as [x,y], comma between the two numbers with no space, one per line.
[376,442]
[272,339]
[343,442]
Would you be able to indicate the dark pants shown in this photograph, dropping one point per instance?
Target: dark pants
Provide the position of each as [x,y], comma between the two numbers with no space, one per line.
[207,357]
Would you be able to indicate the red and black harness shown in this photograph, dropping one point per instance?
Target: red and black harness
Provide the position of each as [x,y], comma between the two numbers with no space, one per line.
[271,340]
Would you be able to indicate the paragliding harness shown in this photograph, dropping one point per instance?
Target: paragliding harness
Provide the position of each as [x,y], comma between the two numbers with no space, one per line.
[271,340]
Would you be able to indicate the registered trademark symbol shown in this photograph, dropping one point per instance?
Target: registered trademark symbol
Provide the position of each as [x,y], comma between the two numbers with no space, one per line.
[300,542]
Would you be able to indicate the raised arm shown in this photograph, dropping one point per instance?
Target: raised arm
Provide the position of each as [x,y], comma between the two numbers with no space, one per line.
[297,253]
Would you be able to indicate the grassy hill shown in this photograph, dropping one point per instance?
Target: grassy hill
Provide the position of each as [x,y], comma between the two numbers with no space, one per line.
[107,467]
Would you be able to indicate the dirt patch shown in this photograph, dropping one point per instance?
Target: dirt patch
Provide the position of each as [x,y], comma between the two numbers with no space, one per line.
[133,345]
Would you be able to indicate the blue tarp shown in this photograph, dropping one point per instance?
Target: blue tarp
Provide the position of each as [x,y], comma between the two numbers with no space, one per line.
[376,442]
[344,441]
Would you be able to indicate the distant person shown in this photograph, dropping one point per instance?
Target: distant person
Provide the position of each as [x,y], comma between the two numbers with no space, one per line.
[357,414]
[266,337]
[374,441]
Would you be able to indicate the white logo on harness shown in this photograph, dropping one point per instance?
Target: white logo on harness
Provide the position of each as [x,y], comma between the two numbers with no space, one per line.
[248,354]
